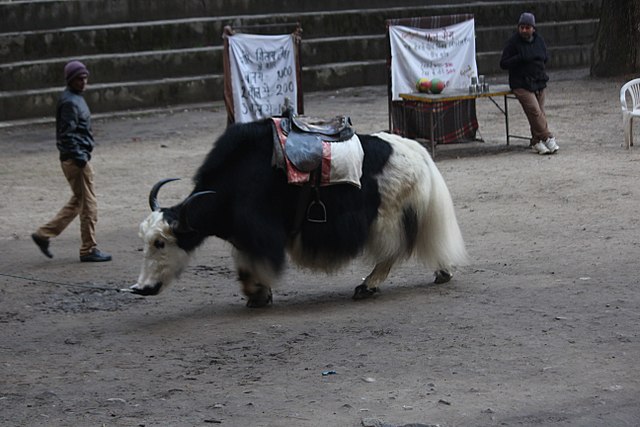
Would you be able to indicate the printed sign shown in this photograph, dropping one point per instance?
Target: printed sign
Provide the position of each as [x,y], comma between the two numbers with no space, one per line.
[263,74]
[447,53]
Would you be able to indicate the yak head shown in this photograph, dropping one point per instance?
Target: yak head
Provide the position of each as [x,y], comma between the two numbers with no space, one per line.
[169,241]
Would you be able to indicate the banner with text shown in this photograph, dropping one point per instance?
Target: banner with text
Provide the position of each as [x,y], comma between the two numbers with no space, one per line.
[447,53]
[263,74]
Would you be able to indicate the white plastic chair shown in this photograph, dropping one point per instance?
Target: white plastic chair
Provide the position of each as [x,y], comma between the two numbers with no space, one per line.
[630,91]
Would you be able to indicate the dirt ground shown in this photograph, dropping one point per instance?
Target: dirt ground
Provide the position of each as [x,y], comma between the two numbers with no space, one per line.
[540,329]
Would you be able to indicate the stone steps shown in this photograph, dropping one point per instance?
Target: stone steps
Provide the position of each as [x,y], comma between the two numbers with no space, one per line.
[158,64]
[55,14]
[174,61]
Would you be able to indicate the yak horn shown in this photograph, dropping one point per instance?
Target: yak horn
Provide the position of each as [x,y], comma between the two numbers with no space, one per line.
[183,222]
[153,195]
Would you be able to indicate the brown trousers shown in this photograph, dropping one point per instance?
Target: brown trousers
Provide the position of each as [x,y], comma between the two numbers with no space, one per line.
[533,106]
[83,202]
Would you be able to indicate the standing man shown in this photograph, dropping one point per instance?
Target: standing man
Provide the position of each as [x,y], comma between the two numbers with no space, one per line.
[75,143]
[525,56]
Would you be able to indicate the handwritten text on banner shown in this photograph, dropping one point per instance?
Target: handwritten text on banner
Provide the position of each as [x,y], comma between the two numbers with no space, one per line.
[447,53]
[263,74]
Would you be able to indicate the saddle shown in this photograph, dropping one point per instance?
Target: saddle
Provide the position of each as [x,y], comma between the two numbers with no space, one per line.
[305,135]
[314,153]
[335,129]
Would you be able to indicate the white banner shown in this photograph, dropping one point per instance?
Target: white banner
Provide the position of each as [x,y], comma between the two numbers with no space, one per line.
[447,53]
[263,74]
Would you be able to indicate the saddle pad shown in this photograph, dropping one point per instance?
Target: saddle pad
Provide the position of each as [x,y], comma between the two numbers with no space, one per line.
[341,161]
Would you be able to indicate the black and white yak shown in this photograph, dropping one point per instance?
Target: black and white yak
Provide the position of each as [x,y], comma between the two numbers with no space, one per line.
[402,209]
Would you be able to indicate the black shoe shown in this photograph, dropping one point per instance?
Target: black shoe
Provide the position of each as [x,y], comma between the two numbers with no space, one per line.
[95,256]
[43,244]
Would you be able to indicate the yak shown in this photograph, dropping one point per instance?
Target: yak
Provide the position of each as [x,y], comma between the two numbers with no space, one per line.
[401,208]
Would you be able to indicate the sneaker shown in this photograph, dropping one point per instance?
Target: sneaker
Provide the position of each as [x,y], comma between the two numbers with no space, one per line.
[43,244]
[541,148]
[551,144]
[95,256]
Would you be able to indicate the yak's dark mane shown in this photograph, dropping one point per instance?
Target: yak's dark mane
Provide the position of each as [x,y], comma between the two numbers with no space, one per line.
[235,141]
[249,192]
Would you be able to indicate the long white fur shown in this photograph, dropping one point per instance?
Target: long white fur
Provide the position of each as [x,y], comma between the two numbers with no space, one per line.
[411,179]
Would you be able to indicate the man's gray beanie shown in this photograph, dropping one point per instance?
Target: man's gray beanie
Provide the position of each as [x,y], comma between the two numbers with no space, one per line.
[527,19]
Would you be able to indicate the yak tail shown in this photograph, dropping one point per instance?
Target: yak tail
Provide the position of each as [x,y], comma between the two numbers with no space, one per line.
[440,243]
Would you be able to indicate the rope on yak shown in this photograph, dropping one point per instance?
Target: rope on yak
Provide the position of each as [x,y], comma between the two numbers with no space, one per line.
[76,285]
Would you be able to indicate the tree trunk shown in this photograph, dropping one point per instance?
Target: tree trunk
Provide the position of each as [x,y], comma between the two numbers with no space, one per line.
[616,50]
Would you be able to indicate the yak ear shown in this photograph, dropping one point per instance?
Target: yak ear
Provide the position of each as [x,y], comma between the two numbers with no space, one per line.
[195,212]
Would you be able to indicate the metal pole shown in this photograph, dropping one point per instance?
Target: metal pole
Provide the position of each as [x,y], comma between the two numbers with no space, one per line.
[433,141]
[506,118]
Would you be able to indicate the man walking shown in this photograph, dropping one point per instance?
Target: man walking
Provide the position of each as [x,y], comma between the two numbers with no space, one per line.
[74,140]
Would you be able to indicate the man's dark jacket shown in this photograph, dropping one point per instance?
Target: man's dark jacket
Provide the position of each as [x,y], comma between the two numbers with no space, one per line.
[525,62]
[74,138]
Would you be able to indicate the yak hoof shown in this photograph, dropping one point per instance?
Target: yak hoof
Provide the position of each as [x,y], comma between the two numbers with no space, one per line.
[442,276]
[362,292]
[260,298]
